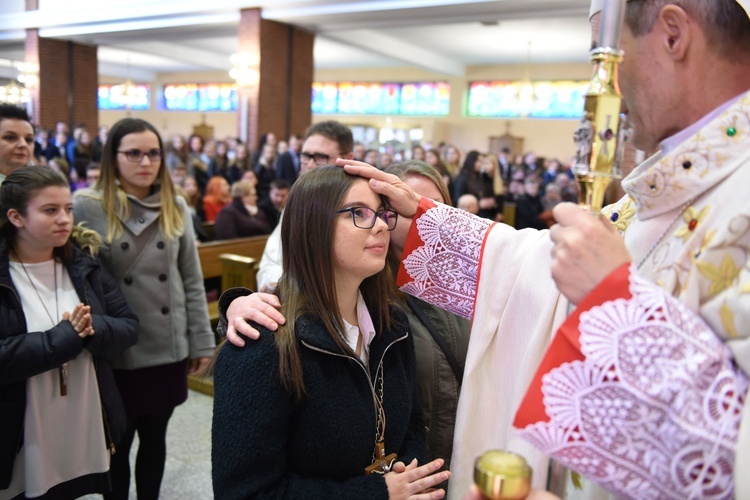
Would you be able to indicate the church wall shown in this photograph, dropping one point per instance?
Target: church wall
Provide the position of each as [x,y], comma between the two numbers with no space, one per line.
[550,138]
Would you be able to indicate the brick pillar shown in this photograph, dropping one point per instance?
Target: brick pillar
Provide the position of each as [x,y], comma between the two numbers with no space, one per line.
[280,102]
[68,81]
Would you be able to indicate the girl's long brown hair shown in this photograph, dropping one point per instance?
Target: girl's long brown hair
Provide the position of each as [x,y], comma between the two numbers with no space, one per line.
[307,286]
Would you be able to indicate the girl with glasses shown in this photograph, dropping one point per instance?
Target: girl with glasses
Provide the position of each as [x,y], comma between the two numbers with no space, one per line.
[150,248]
[62,320]
[326,407]
[439,364]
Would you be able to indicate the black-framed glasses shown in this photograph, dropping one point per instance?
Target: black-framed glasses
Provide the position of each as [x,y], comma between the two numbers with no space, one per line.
[136,155]
[320,158]
[365,217]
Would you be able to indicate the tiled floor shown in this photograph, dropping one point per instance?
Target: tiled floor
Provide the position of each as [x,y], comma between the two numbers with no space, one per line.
[188,470]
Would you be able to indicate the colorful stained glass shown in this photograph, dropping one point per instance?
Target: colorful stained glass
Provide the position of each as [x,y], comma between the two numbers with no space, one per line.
[200,97]
[324,98]
[363,98]
[120,97]
[558,99]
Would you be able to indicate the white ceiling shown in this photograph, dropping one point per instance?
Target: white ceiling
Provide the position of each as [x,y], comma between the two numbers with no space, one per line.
[140,38]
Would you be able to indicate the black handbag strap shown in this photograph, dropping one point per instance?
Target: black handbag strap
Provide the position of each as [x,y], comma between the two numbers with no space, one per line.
[457,370]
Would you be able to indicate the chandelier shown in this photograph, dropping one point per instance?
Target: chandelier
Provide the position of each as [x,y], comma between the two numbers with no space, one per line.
[13,93]
[124,94]
[127,94]
[245,69]
[28,76]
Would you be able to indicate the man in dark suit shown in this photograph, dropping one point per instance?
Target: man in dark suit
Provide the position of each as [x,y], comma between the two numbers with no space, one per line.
[274,204]
[506,167]
[287,164]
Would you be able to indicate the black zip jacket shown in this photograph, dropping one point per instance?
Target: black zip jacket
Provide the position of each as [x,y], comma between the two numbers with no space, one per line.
[267,445]
[25,354]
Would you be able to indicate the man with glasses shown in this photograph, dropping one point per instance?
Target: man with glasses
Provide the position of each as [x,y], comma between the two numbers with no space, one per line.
[324,143]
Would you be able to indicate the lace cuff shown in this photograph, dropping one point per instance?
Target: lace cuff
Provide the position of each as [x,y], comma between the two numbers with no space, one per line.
[637,394]
[441,257]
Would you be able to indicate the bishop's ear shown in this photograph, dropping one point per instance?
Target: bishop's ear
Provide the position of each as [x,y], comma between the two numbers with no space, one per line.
[676,29]
[15,218]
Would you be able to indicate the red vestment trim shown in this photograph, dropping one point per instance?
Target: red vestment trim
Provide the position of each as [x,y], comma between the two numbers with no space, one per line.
[565,346]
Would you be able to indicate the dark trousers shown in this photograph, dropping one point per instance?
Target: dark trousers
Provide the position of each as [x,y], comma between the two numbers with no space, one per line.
[149,461]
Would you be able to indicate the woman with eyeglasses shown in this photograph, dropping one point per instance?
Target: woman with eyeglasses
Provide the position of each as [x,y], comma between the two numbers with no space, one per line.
[326,407]
[150,249]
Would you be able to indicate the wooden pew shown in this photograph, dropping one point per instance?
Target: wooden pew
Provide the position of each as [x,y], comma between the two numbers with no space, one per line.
[208,229]
[240,253]
[509,213]
[235,262]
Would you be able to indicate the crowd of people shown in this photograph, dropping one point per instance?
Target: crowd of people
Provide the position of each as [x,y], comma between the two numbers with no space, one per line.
[206,169]
[397,336]
[484,180]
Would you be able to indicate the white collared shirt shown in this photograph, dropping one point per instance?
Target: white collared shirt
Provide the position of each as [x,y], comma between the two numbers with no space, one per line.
[366,327]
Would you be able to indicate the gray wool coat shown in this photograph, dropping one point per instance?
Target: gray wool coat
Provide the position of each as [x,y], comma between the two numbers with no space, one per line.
[161,279]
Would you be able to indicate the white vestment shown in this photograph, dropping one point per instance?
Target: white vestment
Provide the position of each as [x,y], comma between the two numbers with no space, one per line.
[686,222]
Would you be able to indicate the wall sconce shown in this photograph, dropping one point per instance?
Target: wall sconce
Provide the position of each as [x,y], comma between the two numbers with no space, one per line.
[245,69]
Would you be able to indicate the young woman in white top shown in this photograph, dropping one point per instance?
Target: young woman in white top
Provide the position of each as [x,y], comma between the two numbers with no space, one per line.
[62,319]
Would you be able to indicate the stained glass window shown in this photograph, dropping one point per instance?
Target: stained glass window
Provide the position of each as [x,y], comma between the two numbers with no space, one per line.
[124,96]
[200,97]
[361,98]
[558,99]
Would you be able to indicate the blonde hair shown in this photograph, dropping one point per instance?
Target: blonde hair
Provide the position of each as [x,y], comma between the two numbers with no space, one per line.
[498,187]
[113,198]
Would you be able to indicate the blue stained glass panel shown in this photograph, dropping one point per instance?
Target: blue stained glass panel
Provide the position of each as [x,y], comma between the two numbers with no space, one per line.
[367,98]
[113,97]
[200,97]
[561,99]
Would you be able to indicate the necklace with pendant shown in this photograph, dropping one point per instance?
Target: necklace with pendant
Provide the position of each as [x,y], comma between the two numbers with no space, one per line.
[381,463]
[62,369]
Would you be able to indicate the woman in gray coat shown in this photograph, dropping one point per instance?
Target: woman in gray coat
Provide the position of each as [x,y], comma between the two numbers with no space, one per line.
[150,249]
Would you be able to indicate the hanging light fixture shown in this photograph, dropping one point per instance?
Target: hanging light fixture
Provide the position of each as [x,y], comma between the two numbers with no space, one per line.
[526,94]
[245,69]
[28,74]
[13,93]
[126,93]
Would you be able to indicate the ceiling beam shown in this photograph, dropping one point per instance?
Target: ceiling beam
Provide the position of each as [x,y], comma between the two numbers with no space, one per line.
[407,53]
[119,70]
[182,53]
